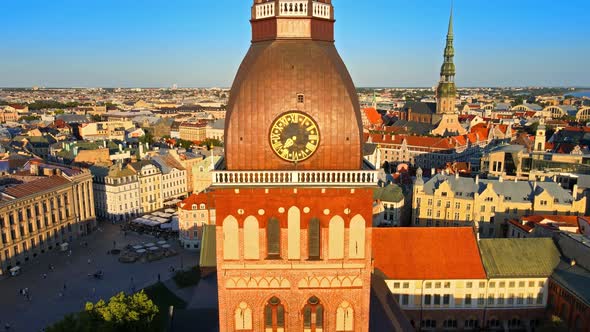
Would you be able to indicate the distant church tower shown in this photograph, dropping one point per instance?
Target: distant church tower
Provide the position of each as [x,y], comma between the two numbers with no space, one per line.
[540,136]
[446,117]
[446,92]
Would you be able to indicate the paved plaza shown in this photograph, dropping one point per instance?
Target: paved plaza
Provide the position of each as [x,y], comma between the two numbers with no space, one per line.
[68,287]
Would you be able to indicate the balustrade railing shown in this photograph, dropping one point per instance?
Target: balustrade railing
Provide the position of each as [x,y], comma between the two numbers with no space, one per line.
[292,8]
[298,178]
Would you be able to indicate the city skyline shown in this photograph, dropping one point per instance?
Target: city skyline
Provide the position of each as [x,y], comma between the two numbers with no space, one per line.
[201,44]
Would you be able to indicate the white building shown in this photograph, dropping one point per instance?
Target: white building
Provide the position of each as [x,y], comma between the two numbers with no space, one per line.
[116,193]
[174,177]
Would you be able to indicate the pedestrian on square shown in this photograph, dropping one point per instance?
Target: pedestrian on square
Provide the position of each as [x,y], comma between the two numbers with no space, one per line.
[158,277]
[89,260]
[44,275]
[7,326]
[64,286]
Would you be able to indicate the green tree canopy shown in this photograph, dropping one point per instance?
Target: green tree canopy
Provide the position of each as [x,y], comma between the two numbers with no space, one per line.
[134,313]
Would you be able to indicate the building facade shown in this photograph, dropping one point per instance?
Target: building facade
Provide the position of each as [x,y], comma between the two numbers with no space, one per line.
[445,279]
[39,215]
[293,206]
[174,177]
[150,185]
[195,212]
[487,204]
[194,132]
[116,193]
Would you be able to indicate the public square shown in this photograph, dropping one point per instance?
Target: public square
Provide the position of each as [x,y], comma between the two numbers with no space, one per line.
[68,286]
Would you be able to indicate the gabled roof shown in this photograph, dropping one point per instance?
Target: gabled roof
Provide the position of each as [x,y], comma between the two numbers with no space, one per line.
[519,258]
[426,253]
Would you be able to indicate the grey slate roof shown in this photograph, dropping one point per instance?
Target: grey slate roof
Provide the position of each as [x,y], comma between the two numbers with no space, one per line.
[419,128]
[420,107]
[521,191]
[575,279]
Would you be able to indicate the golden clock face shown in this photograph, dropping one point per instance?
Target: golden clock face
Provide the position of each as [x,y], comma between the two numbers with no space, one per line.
[294,136]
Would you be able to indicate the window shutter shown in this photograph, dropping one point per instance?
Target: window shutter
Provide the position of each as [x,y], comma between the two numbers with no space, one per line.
[307,317]
[314,238]
[319,318]
[268,316]
[280,316]
[273,237]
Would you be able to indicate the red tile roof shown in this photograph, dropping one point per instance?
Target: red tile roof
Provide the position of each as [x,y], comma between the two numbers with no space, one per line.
[372,114]
[198,199]
[35,186]
[427,253]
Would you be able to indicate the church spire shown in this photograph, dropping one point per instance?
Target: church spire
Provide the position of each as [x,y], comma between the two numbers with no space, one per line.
[447,91]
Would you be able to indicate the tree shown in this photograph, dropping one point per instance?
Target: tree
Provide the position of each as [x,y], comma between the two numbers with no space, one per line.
[555,324]
[29,118]
[147,138]
[57,112]
[133,313]
[96,118]
[209,142]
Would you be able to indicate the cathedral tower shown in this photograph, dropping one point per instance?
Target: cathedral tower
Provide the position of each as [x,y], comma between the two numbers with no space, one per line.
[294,206]
[446,92]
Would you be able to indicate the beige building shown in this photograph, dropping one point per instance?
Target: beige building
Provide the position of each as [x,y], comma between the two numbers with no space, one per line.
[194,132]
[446,279]
[193,213]
[39,215]
[187,160]
[150,185]
[105,130]
[487,205]
[202,175]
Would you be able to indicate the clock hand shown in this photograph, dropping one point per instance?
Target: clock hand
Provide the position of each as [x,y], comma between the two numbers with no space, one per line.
[290,142]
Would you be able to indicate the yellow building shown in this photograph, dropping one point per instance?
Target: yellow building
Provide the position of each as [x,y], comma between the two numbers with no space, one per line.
[193,131]
[42,214]
[487,204]
[150,185]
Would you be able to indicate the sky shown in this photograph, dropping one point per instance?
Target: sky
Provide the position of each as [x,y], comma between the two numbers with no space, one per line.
[199,43]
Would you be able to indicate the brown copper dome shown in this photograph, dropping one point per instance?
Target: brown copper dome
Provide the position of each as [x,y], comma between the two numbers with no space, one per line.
[273,78]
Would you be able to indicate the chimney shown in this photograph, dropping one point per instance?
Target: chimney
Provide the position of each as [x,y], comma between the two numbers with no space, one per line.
[500,179]
[58,171]
[34,168]
[575,191]
[456,175]
[432,172]
[477,179]
[573,262]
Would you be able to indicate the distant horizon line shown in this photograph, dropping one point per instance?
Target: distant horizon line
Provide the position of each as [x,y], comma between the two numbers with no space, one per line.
[357,87]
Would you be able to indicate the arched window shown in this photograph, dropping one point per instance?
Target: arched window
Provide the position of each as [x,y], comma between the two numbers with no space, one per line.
[274,316]
[294,233]
[314,236]
[336,238]
[231,243]
[243,317]
[344,318]
[273,239]
[251,238]
[202,206]
[313,315]
[356,237]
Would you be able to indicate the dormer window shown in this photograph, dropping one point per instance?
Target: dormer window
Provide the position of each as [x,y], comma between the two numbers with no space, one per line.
[300,98]
[202,206]
[194,207]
